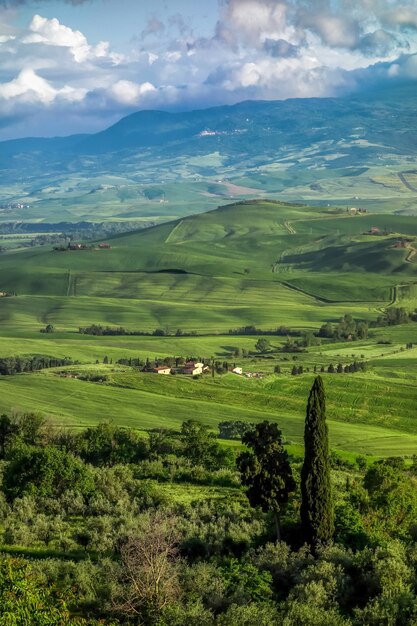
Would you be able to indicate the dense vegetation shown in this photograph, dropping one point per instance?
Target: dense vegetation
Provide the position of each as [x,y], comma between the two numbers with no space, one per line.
[91,510]
[97,537]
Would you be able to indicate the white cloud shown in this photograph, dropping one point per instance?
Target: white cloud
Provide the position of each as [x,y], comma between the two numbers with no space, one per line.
[28,87]
[266,49]
[52,32]
[129,93]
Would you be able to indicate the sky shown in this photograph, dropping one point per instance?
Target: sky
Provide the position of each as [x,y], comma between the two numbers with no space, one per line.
[78,66]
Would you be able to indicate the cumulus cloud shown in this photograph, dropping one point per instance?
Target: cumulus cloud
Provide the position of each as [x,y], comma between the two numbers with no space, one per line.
[129,93]
[52,33]
[267,49]
[30,88]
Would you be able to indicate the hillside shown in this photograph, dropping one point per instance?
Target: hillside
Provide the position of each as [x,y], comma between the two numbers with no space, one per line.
[255,263]
[313,264]
[157,165]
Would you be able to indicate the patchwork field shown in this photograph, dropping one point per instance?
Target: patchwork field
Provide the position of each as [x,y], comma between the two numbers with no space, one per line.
[254,263]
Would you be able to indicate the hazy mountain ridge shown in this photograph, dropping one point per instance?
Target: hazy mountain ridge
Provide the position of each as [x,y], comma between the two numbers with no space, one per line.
[282,147]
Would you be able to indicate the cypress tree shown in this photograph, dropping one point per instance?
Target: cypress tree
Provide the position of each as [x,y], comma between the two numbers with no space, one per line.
[317,518]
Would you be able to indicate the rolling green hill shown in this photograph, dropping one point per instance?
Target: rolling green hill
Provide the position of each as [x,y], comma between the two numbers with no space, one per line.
[261,263]
[258,263]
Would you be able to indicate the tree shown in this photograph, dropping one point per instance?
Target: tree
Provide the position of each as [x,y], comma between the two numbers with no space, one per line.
[107,445]
[149,580]
[317,516]
[263,345]
[8,429]
[200,446]
[233,429]
[48,329]
[46,472]
[265,470]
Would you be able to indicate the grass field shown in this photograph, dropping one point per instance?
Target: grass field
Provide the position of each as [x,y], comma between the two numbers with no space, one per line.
[357,423]
[261,263]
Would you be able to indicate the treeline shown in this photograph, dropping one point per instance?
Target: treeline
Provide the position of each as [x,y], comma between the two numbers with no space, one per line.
[350,368]
[280,331]
[32,363]
[98,330]
[346,329]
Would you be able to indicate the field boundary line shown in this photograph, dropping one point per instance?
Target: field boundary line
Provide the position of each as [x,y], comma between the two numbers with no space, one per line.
[173,231]
[405,182]
[326,300]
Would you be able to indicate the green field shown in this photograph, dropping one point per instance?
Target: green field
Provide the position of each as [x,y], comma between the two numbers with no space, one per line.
[262,263]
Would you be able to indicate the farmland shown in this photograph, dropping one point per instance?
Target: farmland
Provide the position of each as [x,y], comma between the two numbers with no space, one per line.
[255,263]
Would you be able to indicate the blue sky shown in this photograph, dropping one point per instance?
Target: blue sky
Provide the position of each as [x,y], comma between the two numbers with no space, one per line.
[80,65]
[119,22]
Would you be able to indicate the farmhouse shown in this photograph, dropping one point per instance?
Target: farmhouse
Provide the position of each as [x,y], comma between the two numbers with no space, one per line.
[237,370]
[254,374]
[165,370]
[104,246]
[77,246]
[193,368]
[3,294]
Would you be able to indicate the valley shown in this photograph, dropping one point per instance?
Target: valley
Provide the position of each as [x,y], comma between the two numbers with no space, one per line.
[188,286]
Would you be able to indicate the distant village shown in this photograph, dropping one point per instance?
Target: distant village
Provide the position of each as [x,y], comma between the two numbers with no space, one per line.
[189,368]
[11,206]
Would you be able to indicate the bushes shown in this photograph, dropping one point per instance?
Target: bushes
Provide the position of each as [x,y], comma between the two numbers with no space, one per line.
[26,599]
[46,472]
[220,569]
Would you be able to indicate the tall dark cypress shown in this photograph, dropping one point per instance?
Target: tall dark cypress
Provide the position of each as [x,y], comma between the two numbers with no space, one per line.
[317,517]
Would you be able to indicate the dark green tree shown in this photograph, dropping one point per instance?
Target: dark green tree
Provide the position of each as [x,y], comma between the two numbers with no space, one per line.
[262,345]
[46,472]
[317,518]
[8,429]
[265,470]
[201,448]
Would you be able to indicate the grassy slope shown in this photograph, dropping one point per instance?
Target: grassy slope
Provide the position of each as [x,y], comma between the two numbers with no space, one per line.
[324,266]
[145,401]
[234,256]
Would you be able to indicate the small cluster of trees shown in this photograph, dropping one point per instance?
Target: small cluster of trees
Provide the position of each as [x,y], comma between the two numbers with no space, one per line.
[266,472]
[356,366]
[33,363]
[346,329]
[394,316]
[99,330]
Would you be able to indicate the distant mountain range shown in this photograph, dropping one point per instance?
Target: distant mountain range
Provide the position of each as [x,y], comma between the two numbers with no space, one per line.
[301,149]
